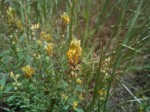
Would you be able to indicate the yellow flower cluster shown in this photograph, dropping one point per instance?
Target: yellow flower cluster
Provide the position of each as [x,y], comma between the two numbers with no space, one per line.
[65,97]
[28,71]
[46,37]
[35,26]
[11,15]
[81,97]
[78,80]
[101,92]
[15,84]
[15,77]
[37,55]
[49,48]
[75,104]
[39,42]
[19,24]
[65,18]
[74,51]
[13,20]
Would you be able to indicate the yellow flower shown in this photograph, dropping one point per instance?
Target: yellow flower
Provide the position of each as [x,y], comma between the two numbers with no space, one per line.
[75,104]
[49,49]
[46,37]
[17,76]
[65,18]
[101,92]
[141,109]
[35,26]
[11,15]
[81,97]
[74,51]
[13,42]
[78,80]
[28,71]
[1,87]
[19,25]
[10,10]
[12,75]
[42,34]
[65,97]
[39,42]
[37,55]
[107,59]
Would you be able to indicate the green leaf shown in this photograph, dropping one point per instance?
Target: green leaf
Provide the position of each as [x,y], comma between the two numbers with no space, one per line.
[4,53]
[24,106]
[7,89]
[11,98]
[3,81]
[66,107]
[79,110]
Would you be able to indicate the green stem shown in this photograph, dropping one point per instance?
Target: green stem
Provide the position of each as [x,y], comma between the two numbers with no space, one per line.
[71,20]
[98,81]
[120,52]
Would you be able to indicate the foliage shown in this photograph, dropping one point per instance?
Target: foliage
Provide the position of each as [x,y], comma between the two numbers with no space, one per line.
[70,55]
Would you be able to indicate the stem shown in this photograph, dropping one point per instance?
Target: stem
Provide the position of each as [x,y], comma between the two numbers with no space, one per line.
[120,52]
[71,21]
[98,81]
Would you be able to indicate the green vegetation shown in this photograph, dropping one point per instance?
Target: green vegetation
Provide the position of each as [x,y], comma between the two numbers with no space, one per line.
[72,55]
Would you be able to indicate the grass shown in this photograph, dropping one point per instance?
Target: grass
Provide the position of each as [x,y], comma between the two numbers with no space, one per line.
[73,61]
